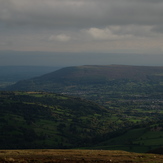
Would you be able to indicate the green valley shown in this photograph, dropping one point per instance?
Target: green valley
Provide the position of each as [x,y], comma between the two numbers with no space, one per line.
[122,106]
[44,120]
[48,120]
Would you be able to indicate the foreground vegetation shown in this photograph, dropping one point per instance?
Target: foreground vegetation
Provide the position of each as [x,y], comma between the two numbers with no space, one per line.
[76,156]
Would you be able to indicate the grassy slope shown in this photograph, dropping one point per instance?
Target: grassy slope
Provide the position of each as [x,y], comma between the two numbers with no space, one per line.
[76,156]
[43,120]
[136,140]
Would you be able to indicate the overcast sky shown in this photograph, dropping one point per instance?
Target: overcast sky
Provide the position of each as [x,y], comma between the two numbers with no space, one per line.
[86,30]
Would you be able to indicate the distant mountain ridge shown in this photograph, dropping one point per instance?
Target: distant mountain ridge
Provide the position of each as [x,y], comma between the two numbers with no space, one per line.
[106,72]
[88,74]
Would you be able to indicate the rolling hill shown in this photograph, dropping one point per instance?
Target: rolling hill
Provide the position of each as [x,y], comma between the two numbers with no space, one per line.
[131,95]
[70,78]
[137,139]
[101,84]
[44,120]
[37,120]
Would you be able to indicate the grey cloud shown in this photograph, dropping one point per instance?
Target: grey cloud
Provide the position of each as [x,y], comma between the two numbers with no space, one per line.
[158,29]
[80,13]
[135,30]
[149,1]
[81,25]
[61,37]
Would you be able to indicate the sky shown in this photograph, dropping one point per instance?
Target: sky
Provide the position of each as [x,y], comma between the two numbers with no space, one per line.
[79,32]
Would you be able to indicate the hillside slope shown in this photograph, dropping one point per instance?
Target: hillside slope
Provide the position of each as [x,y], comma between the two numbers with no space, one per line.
[43,120]
[61,80]
[46,120]
[139,139]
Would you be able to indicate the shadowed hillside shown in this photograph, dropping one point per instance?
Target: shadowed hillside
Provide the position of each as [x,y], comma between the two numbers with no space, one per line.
[43,120]
[46,120]
[61,80]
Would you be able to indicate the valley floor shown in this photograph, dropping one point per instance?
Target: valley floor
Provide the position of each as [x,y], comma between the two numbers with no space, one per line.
[75,156]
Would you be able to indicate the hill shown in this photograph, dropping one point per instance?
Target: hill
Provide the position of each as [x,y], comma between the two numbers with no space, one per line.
[133,94]
[32,120]
[70,78]
[44,120]
[139,139]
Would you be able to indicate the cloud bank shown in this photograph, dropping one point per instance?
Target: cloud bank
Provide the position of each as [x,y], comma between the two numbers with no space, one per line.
[119,26]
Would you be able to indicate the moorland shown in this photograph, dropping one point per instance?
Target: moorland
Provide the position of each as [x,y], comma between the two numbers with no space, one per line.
[76,156]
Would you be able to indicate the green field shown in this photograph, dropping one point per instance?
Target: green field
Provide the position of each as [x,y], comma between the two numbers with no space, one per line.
[48,120]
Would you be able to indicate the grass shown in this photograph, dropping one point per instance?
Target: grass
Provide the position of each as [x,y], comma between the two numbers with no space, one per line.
[152,135]
[76,156]
[135,140]
[150,142]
